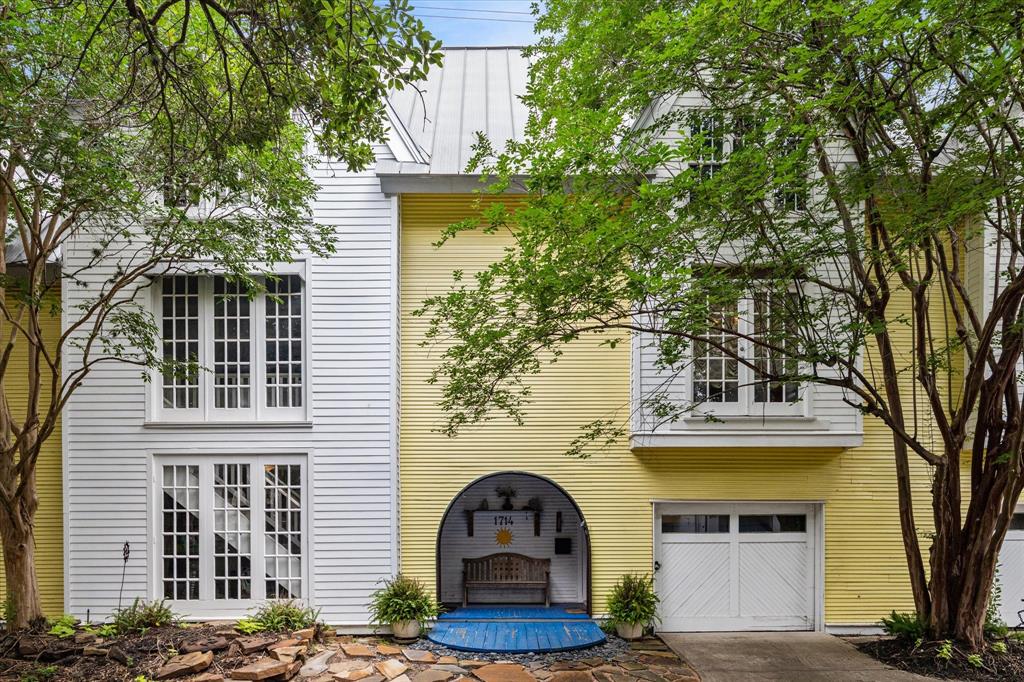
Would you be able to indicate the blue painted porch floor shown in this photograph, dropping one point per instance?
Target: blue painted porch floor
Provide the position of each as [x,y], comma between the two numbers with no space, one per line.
[515,629]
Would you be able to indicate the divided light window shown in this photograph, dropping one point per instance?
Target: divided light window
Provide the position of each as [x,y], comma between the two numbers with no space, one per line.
[244,357]
[231,529]
[729,386]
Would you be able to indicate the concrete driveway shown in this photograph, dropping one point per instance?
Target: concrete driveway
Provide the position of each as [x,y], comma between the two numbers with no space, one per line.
[780,656]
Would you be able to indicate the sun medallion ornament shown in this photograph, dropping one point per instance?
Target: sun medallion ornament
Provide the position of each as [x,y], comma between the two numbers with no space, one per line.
[503,537]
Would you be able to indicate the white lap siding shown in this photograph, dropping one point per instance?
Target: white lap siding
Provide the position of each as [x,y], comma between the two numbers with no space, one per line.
[349,449]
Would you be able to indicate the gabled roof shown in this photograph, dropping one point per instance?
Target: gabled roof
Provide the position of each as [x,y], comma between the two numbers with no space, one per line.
[477,89]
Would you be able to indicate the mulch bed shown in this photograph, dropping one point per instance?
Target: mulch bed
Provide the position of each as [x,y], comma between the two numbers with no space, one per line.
[40,657]
[924,659]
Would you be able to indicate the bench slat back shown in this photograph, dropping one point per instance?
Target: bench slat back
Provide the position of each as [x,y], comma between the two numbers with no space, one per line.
[506,568]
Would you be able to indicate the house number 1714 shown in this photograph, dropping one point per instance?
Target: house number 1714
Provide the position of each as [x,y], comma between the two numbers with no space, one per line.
[503,521]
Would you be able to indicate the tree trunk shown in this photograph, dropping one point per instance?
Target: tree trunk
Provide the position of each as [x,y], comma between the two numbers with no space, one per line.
[23,607]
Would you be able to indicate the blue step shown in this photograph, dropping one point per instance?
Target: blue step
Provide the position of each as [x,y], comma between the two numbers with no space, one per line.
[515,630]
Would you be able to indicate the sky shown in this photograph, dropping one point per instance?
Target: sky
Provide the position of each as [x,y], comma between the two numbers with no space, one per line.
[462,23]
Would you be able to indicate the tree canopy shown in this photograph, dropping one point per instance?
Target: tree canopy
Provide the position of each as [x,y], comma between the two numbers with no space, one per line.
[152,134]
[840,164]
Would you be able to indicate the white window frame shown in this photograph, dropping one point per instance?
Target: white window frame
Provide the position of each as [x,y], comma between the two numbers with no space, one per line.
[258,413]
[207,605]
[745,406]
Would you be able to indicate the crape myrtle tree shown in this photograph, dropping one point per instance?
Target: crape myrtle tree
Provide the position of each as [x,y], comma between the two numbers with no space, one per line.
[158,133]
[809,211]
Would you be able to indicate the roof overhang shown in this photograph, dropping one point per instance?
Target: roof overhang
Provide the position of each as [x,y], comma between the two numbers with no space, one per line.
[401,178]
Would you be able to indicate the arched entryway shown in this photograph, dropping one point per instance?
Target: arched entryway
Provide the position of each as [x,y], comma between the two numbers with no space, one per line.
[544,523]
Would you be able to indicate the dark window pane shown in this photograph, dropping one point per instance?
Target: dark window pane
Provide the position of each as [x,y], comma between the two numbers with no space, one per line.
[773,523]
[695,523]
[1017,522]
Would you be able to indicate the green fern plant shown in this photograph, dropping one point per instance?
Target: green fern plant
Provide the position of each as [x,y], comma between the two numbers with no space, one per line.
[402,599]
[632,601]
[143,615]
[908,626]
[279,616]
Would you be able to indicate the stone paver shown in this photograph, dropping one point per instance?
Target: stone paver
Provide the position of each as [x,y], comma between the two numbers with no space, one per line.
[186,664]
[391,668]
[260,669]
[419,655]
[503,672]
[358,650]
[780,657]
[431,675]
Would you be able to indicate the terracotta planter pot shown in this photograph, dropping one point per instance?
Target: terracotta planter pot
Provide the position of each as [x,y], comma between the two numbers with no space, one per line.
[629,630]
[406,629]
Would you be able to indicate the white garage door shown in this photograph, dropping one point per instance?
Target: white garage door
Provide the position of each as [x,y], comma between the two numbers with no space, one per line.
[1011,570]
[740,566]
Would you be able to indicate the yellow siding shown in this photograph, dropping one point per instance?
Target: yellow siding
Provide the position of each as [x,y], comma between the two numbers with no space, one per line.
[50,516]
[866,573]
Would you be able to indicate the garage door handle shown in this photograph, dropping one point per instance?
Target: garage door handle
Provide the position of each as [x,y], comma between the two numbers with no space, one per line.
[657,566]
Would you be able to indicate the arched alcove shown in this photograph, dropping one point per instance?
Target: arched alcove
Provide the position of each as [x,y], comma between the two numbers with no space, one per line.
[544,523]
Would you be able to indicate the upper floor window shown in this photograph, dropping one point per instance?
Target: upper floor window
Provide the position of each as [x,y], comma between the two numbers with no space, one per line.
[756,330]
[237,356]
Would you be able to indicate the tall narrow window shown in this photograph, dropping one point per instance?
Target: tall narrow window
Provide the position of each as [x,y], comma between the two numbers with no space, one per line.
[708,131]
[715,367]
[793,195]
[283,549]
[180,531]
[180,308]
[776,330]
[232,364]
[232,528]
[284,342]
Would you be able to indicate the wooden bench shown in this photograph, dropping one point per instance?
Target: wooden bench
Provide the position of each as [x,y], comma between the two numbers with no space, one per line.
[506,571]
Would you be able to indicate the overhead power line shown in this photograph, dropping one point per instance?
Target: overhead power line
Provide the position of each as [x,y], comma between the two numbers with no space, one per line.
[452,16]
[469,9]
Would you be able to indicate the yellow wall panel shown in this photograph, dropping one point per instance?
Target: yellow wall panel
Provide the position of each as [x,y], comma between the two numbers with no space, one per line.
[865,573]
[49,530]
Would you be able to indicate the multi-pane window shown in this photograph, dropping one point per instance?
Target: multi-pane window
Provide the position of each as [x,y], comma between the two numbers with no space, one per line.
[708,131]
[283,531]
[232,354]
[759,331]
[232,362]
[232,529]
[180,531]
[284,342]
[179,304]
[715,367]
[777,332]
[793,195]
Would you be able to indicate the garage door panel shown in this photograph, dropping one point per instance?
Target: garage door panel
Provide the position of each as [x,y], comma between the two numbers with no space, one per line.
[1011,571]
[703,589]
[737,566]
[773,579]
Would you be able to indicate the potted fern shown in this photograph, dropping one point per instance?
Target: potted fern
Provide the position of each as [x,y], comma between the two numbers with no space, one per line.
[403,605]
[632,605]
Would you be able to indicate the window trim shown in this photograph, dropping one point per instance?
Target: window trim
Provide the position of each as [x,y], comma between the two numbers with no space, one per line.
[745,407]
[207,606]
[258,413]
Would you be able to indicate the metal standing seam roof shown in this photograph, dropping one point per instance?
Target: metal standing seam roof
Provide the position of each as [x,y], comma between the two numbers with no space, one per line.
[477,89]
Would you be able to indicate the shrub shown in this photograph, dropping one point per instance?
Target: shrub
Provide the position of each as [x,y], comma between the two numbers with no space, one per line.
[402,599]
[632,601]
[904,626]
[280,616]
[143,615]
